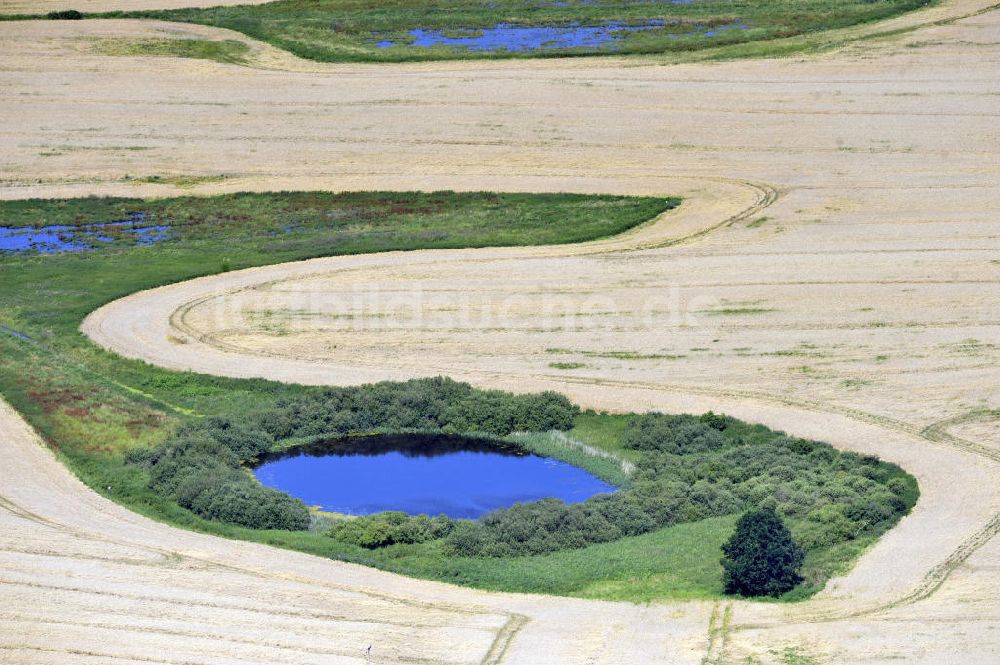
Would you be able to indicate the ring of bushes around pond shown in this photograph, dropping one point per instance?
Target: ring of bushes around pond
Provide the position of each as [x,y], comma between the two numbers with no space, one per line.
[686,468]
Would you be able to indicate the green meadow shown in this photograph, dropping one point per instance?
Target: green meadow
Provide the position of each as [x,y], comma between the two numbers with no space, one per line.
[416,30]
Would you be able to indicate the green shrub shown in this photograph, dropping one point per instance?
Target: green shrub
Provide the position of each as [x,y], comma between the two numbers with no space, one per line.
[65,15]
[390,528]
[825,526]
[251,505]
[437,404]
[716,420]
[672,434]
[761,559]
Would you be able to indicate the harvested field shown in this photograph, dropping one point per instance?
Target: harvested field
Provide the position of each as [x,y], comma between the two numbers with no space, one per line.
[832,272]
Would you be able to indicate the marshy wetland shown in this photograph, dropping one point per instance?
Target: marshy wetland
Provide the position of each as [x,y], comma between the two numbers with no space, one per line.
[404,30]
[77,238]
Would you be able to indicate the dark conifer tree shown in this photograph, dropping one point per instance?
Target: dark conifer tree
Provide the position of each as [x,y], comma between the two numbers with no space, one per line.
[761,558]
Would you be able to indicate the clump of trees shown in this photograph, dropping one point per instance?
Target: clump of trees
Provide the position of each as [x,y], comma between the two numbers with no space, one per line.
[761,558]
[200,469]
[691,468]
[201,466]
[433,405]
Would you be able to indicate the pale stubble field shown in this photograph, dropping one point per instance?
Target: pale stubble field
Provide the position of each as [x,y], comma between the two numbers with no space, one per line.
[832,272]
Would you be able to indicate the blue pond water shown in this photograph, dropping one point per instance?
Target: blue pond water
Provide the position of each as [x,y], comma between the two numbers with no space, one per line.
[423,474]
[64,238]
[516,38]
[15,333]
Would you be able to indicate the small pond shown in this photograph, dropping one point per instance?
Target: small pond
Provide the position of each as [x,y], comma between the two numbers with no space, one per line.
[517,38]
[64,238]
[433,474]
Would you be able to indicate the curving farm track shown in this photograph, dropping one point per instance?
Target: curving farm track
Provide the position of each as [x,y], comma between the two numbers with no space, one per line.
[833,272]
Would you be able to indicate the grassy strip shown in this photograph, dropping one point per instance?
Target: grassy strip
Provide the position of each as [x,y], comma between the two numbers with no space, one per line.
[350,30]
[602,463]
[45,297]
[604,431]
[678,562]
[227,51]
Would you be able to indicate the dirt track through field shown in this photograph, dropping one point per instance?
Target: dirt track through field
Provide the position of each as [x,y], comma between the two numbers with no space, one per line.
[833,272]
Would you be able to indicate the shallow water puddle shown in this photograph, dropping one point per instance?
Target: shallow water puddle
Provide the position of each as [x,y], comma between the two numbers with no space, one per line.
[66,238]
[517,38]
[15,333]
